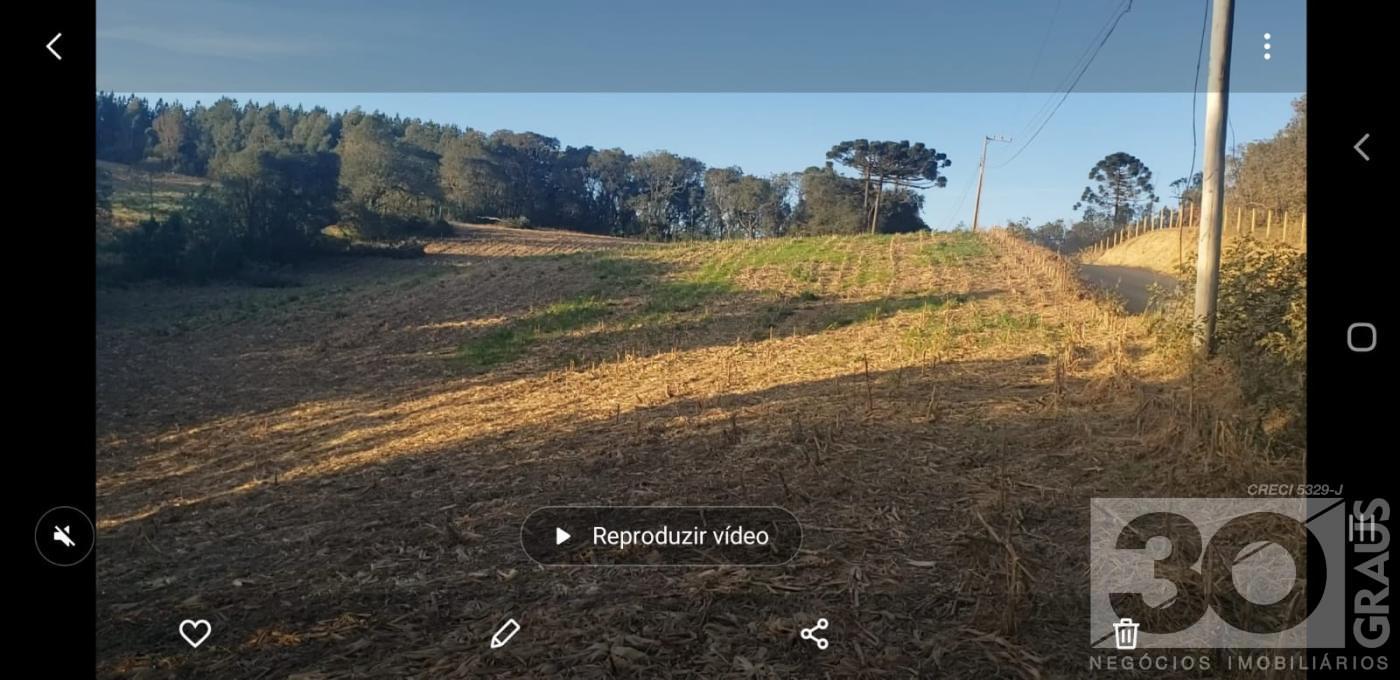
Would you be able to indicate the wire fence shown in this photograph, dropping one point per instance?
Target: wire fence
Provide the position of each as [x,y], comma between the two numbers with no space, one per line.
[1269,225]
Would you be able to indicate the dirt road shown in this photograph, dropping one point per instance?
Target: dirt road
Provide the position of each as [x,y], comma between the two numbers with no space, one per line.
[1134,284]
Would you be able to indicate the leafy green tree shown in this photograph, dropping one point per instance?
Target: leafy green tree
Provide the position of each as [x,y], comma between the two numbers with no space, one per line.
[1021,229]
[315,131]
[1272,174]
[280,201]
[828,203]
[175,143]
[901,165]
[669,187]
[220,136]
[123,133]
[1187,191]
[472,182]
[525,161]
[387,189]
[1122,191]
[1052,235]
[740,205]
[609,181]
[861,155]
[261,128]
[899,211]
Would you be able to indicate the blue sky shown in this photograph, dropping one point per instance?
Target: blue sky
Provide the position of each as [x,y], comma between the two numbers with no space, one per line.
[768,133]
[677,46]
[768,86]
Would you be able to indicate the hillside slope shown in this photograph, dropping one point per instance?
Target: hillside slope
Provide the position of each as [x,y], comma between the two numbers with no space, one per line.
[1164,250]
[137,194]
[337,473]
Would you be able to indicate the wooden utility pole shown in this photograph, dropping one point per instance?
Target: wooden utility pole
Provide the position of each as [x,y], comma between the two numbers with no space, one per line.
[1213,180]
[981,173]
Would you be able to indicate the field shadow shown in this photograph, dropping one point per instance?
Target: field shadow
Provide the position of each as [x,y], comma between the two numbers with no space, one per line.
[397,553]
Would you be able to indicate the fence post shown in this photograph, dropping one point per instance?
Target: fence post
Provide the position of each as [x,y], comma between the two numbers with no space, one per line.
[1285,226]
[1239,220]
[1253,213]
[1180,234]
[1269,225]
[1303,229]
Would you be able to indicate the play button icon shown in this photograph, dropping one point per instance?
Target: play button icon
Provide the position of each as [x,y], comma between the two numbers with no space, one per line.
[560,536]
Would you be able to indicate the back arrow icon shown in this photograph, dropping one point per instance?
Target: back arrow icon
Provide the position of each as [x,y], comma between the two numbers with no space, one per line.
[53,51]
[1358,146]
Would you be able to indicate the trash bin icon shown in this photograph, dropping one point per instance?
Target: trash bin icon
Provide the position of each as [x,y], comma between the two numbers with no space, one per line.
[1125,634]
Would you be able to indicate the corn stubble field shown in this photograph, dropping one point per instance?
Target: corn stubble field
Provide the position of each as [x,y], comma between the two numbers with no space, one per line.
[334,474]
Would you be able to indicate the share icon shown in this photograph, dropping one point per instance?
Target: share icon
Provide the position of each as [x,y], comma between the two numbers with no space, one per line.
[810,633]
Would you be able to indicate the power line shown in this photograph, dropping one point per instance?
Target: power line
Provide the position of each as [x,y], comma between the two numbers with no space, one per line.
[1064,82]
[1127,7]
[1035,65]
[1195,88]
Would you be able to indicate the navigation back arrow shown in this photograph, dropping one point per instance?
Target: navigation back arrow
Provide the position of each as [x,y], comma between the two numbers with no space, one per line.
[1359,142]
[53,51]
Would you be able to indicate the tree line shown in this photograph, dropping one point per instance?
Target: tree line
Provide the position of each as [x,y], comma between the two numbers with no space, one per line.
[281,174]
[1268,174]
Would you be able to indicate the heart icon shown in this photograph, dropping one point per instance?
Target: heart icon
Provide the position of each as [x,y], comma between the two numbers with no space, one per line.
[190,631]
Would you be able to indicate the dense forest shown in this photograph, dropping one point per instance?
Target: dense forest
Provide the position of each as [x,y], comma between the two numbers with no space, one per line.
[281,174]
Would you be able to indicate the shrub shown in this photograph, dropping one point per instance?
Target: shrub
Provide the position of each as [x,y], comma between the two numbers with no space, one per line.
[153,248]
[399,250]
[1261,332]
[419,226]
[369,225]
[213,247]
[1262,326]
[196,243]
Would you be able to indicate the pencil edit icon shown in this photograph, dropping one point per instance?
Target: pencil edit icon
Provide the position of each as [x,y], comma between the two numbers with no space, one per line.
[504,633]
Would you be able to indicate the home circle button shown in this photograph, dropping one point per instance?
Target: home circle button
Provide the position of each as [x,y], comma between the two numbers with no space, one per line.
[1361,337]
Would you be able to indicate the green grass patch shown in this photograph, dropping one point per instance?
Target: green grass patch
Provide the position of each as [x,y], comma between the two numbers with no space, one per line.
[615,271]
[507,344]
[683,296]
[496,347]
[955,248]
[1005,326]
[1007,321]
[874,310]
[562,317]
[801,259]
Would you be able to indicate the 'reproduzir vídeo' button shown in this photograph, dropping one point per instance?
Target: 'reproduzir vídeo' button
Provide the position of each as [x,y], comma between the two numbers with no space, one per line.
[655,536]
